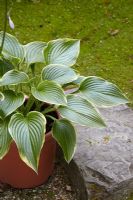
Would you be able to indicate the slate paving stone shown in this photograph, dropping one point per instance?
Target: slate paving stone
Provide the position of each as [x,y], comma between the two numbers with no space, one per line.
[103,162]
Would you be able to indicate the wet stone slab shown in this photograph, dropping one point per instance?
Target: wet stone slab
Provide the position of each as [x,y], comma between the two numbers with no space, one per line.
[102,168]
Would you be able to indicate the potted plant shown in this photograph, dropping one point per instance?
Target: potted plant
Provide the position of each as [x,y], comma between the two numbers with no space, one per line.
[35,110]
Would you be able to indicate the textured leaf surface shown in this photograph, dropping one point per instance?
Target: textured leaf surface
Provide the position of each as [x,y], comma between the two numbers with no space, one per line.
[101,93]
[81,111]
[5,138]
[34,52]
[62,51]
[14,77]
[64,133]
[28,132]
[79,80]
[61,74]
[12,47]
[11,102]
[50,92]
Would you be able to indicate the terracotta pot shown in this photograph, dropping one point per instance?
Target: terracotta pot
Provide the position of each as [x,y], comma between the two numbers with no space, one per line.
[15,172]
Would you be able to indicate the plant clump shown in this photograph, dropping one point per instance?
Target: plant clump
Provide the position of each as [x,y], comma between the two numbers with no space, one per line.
[23,120]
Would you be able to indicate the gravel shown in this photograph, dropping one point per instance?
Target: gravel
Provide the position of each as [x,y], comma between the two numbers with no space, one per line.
[57,187]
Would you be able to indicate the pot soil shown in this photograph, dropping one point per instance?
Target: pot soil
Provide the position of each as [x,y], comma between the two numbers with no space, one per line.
[15,172]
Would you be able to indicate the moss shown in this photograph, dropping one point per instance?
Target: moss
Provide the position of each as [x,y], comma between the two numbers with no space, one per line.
[96,191]
[131,197]
[104,27]
[50,195]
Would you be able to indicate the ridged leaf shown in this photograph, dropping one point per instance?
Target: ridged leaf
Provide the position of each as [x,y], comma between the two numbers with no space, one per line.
[49,92]
[12,47]
[5,138]
[14,77]
[79,80]
[64,133]
[34,52]
[62,51]
[11,102]
[28,132]
[61,74]
[81,111]
[101,93]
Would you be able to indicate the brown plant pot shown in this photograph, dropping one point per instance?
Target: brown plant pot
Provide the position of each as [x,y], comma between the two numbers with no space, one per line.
[15,172]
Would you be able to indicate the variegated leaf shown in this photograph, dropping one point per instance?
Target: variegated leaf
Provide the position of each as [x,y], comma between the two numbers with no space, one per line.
[62,51]
[5,138]
[61,74]
[101,92]
[14,77]
[12,48]
[64,133]
[11,102]
[28,132]
[49,92]
[34,52]
[81,111]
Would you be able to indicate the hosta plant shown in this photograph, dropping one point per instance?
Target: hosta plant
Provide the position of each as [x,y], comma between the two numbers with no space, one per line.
[33,87]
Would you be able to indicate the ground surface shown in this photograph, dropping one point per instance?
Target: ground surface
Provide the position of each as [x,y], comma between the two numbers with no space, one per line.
[104,27]
[57,188]
[104,158]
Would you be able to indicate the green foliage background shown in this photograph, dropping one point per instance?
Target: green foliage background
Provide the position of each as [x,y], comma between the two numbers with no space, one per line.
[104,27]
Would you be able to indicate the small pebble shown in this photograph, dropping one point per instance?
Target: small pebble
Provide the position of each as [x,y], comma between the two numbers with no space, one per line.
[57,187]
[68,188]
